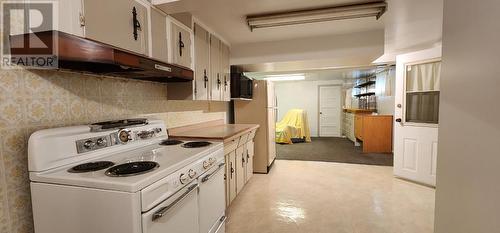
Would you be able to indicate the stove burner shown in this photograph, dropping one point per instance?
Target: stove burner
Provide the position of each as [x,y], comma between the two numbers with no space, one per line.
[132,169]
[91,167]
[170,142]
[108,125]
[196,144]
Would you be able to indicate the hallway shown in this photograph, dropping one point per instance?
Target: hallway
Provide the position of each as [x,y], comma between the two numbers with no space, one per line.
[319,197]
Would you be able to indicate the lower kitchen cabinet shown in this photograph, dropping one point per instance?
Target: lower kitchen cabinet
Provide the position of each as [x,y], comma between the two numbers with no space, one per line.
[240,168]
[230,177]
[249,160]
[239,164]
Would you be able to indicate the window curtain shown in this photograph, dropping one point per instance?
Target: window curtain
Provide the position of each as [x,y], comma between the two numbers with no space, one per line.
[423,77]
[384,83]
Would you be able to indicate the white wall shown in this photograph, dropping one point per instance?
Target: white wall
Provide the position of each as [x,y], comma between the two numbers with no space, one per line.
[468,166]
[411,25]
[303,95]
[385,98]
[357,49]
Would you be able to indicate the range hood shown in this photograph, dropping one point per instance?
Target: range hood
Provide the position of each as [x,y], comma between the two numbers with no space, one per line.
[84,55]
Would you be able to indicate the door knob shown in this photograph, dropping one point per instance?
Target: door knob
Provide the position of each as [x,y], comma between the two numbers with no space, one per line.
[398,120]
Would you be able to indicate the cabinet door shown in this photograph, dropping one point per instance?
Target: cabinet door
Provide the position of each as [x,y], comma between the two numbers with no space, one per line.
[225,73]
[202,57]
[111,22]
[358,126]
[215,77]
[232,175]
[249,166]
[240,168]
[180,44]
[159,35]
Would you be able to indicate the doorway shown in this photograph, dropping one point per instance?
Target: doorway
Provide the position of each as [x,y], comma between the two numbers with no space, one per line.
[329,111]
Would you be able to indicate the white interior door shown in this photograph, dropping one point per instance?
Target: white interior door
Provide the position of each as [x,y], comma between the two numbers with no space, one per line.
[329,111]
[416,112]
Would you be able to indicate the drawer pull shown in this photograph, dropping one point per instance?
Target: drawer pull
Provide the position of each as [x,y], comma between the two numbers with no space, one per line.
[161,212]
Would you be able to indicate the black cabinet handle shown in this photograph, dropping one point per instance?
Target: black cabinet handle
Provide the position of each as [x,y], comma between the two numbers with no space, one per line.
[181,44]
[398,120]
[225,82]
[218,81]
[205,78]
[137,24]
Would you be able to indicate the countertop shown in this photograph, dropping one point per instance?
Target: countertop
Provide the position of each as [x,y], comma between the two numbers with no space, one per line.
[361,111]
[223,132]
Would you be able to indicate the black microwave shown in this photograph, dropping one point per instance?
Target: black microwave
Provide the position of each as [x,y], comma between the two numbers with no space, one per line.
[241,86]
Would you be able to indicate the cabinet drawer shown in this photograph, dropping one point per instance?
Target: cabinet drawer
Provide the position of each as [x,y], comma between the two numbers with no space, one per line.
[231,145]
[251,135]
[243,140]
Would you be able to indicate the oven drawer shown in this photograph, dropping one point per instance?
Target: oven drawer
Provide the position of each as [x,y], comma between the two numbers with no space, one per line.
[177,214]
[212,198]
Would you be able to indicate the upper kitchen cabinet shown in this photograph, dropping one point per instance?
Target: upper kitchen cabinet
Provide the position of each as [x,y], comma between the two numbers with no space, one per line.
[202,62]
[180,43]
[127,28]
[159,35]
[225,73]
[215,72]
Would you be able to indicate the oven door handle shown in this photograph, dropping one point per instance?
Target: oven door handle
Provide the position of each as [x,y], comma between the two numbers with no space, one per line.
[221,221]
[207,177]
[161,212]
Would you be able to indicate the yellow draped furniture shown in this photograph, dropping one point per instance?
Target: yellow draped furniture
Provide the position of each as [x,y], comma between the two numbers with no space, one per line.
[293,125]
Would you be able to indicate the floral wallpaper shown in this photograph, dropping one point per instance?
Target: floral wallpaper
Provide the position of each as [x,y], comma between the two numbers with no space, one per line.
[34,100]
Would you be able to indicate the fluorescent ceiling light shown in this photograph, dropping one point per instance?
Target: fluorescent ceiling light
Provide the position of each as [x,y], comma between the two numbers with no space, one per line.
[159,2]
[375,9]
[285,77]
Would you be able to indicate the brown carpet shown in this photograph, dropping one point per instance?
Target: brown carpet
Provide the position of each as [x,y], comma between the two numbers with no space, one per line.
[339,150]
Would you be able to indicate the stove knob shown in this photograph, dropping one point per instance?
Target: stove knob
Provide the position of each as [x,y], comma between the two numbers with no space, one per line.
[89,144]
[184,178]
[212,161]
[101,142]
[124,136]
[206,164]
[191,173]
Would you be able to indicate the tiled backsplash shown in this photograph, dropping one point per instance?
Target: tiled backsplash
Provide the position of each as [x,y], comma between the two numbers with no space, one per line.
[33,100]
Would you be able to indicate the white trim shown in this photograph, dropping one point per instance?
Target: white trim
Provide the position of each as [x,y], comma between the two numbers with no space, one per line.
[211,31]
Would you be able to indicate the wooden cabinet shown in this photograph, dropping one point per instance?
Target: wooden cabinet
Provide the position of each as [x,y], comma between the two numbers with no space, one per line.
[225,72]
[202,62]
[179,44]
[249,159]
[112,22]
[230,177]
[159,35]
[239,164]
[375,131]
[358,126]
[215,74]
[240,168]
[212,74]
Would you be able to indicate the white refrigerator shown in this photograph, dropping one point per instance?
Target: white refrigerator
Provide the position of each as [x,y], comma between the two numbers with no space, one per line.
[261,110]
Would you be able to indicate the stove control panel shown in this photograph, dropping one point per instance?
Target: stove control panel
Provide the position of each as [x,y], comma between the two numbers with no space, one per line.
[122,136]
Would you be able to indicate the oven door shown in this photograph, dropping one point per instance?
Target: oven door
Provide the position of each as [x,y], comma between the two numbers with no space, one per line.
[177,214]
[212,200]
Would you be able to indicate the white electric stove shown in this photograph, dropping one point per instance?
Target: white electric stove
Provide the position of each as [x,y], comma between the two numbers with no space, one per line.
[125,176]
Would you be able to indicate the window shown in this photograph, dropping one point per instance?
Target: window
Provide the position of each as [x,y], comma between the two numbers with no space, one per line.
[422,92]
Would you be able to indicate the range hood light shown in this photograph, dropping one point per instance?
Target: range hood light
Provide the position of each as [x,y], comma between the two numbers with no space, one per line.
[354,11]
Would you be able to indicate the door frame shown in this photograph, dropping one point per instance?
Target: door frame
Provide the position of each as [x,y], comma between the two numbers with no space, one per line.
[319,107]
